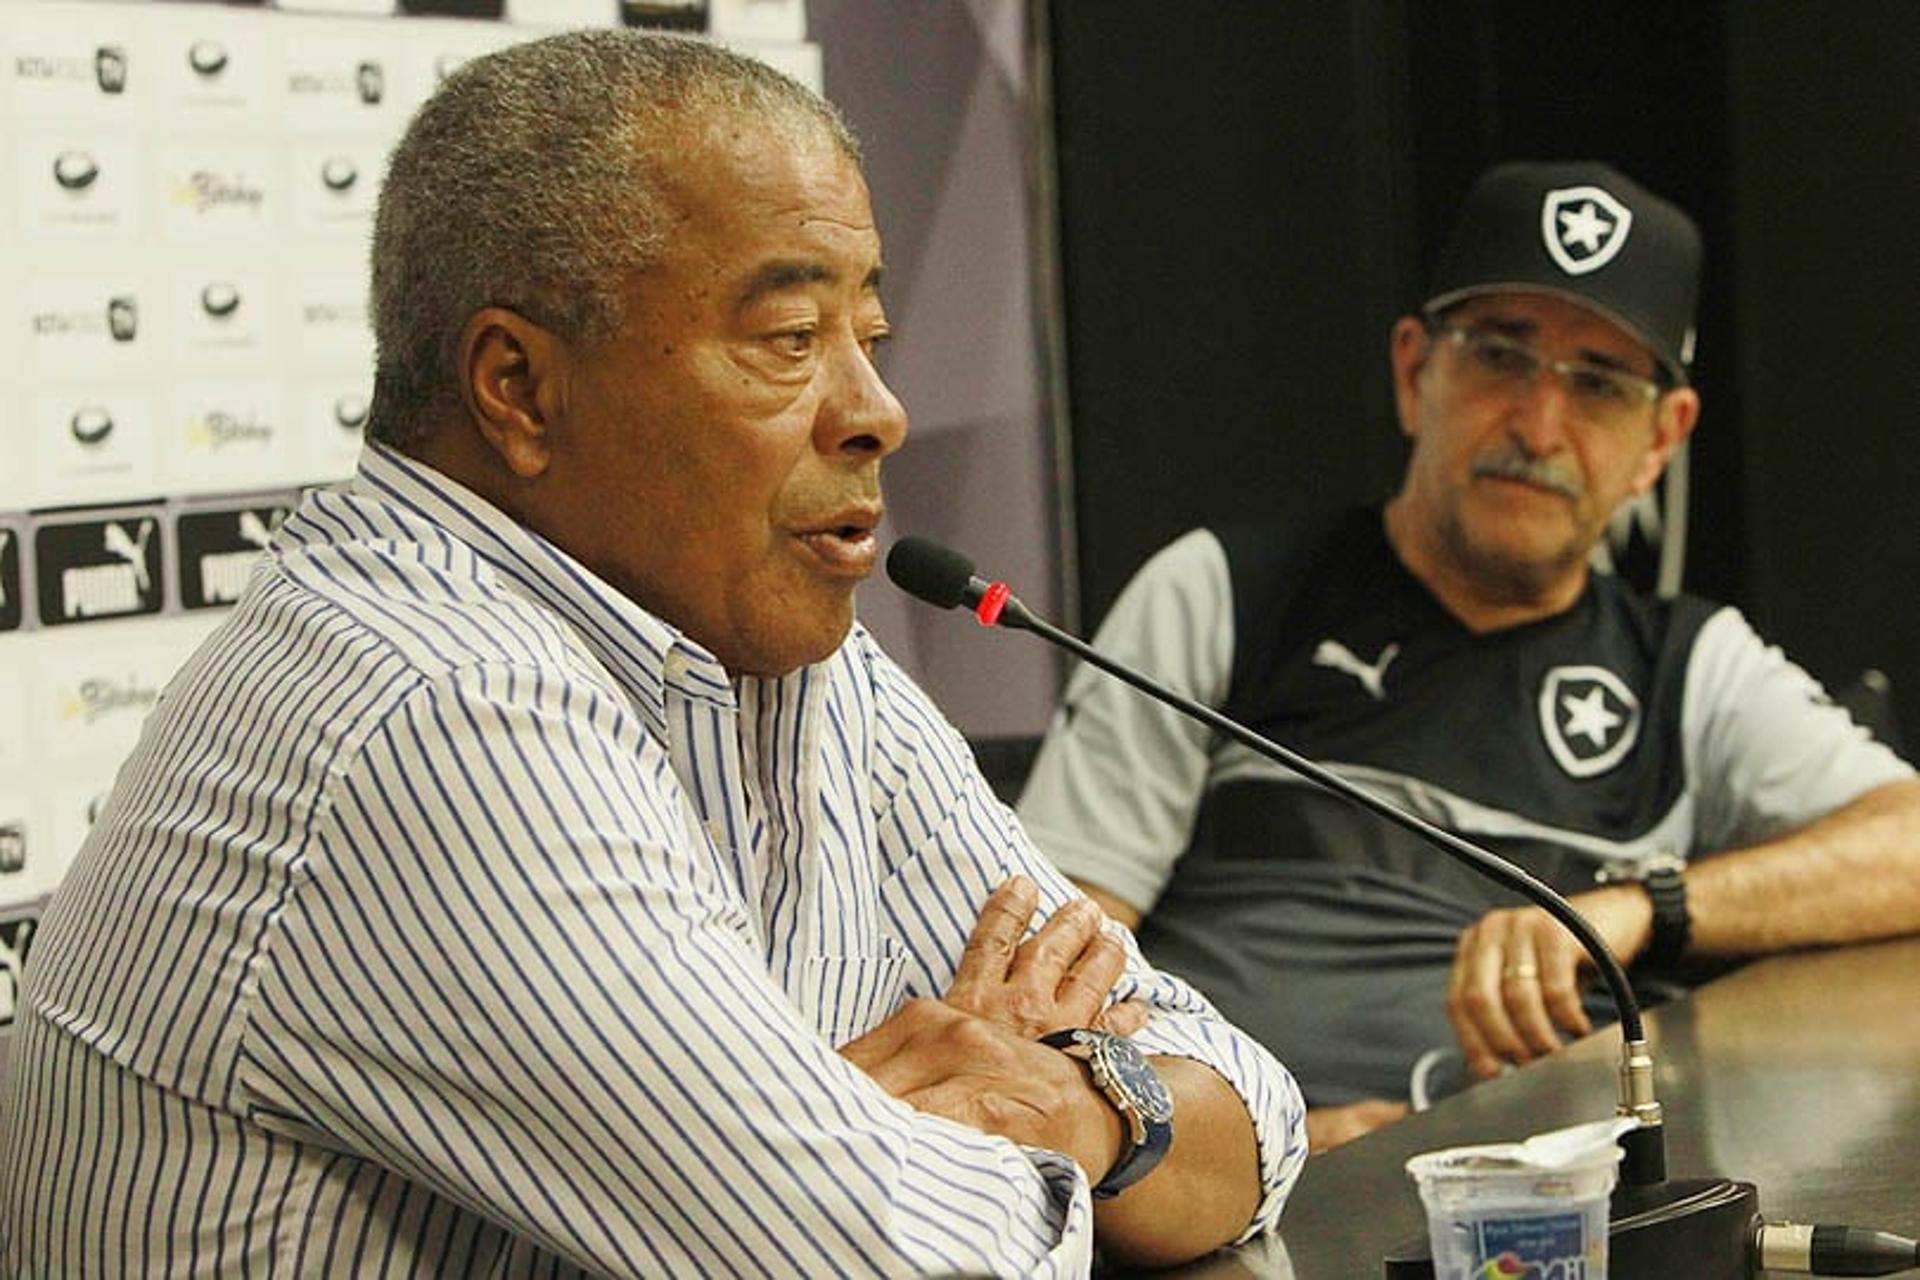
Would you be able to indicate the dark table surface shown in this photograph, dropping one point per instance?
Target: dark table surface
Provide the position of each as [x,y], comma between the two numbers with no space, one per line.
[1798,1073]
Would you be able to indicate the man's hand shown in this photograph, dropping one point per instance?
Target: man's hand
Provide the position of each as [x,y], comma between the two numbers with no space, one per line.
[1515,984]
[950,1063]
[1060,977]
[974,1057]
[1328,1127]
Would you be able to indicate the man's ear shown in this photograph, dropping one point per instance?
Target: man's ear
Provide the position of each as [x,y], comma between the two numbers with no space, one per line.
[1408,353]
[1673,419]
[513,382]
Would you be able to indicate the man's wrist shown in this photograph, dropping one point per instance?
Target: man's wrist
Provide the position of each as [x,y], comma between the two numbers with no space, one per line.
[1666,887]
[1658,885]
[1116,1135]
[1134,1091]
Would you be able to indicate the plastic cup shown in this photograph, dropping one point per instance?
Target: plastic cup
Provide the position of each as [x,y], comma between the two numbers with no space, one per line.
[1534,1210]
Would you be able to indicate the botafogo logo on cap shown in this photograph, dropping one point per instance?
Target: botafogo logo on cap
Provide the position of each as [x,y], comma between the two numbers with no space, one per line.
[1584,228]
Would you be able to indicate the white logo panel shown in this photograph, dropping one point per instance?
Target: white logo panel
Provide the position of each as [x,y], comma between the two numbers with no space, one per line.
[67,61]
[332,415]
[331,325]
[223,437]
[93,443]
[86,326]
[218,192]
[221,315]
[330,83]
[212,66]
[335,185]
[78,186]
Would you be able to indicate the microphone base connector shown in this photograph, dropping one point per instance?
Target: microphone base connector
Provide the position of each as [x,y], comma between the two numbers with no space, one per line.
[1705,1225]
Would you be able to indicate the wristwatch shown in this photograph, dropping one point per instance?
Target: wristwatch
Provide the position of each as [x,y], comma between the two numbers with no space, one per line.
[1663,876]
[1136,1091]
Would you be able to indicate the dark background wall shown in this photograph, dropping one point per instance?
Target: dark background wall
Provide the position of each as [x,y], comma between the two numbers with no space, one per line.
[1250,193]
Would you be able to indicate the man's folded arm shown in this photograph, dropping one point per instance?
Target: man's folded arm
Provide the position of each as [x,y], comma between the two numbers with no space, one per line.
[941,820]
[558,1018]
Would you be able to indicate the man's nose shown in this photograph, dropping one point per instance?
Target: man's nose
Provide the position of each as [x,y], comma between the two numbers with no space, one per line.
[1543,415]
[859,414]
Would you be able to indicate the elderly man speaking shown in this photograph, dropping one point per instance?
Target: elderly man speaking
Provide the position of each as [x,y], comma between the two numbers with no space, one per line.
[540,873]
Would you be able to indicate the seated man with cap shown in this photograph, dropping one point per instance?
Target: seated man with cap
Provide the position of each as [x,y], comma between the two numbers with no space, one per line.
[1694,792]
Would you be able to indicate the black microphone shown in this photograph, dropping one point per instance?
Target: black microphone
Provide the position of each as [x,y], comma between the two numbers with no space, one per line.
[944,577]
[1712,1223]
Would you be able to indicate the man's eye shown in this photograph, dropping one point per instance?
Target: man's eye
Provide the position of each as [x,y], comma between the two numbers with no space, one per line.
[872,343]
[1599,385]
[794,342]
[1504,358]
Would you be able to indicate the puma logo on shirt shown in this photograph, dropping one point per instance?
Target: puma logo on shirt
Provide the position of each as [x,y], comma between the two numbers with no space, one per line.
[1331,653]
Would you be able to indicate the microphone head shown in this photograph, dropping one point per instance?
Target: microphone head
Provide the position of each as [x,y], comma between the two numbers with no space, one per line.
[921,567]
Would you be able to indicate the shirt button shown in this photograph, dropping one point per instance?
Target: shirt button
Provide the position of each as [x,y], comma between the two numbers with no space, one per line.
[675,666]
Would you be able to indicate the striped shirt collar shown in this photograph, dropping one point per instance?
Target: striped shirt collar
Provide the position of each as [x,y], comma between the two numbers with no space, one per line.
[645,653]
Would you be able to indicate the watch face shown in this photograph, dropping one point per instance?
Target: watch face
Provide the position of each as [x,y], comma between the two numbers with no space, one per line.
[1137,1079]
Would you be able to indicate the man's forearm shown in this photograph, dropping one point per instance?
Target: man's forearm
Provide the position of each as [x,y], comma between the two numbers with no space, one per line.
[1205,1190]
[1848,877]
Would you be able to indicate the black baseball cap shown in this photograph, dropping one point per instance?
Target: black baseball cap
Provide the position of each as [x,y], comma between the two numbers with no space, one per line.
[1588,233]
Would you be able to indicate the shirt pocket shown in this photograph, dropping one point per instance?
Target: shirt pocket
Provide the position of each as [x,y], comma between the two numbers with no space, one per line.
[847,996]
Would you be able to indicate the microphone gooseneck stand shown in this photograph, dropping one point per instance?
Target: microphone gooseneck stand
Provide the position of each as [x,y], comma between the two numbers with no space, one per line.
[1710,1226]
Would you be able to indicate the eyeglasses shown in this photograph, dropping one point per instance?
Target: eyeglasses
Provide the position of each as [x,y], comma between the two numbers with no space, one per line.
[1598,394]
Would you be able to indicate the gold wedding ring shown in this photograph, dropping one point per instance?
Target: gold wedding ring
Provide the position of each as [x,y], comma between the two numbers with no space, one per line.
[1524,971]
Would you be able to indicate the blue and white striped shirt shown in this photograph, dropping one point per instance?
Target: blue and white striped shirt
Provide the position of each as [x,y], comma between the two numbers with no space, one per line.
[455,916]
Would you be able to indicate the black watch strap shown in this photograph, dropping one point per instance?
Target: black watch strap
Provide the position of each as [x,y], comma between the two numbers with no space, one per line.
[1663,875]
[1666,884]
[1135,1089]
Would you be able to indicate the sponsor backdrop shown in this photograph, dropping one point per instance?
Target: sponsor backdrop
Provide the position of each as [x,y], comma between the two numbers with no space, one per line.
[182,284]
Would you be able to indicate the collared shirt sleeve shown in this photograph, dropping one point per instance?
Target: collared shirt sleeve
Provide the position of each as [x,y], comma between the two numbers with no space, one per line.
[1767,750]
[514,973]
[1112,796]
[950,842]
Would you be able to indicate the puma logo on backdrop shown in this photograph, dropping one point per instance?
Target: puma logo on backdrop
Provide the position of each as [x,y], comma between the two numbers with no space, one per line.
[1331,653]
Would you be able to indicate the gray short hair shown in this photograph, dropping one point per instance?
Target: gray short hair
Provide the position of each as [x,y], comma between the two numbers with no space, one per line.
[529,181]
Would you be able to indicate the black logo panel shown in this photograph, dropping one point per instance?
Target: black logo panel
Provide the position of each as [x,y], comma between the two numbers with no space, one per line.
[16,935]
[10,609]
[218,552]
[98,569]
[667,15]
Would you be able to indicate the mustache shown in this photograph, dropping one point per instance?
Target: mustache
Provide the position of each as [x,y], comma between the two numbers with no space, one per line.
[1509,462]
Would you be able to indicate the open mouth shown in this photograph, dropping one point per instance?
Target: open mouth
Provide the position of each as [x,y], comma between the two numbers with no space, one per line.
[846,545]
